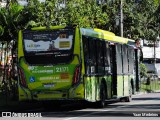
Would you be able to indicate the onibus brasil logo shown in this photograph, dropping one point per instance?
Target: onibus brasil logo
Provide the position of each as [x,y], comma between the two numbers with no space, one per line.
[13,114]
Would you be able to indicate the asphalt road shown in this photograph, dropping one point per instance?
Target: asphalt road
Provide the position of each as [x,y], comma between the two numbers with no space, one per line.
[142,107]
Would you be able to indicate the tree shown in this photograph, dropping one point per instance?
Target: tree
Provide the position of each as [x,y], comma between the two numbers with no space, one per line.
[143,70]
[9,21]
[10,18]
[74,12]
[138,20]
[111,8]
[77,14]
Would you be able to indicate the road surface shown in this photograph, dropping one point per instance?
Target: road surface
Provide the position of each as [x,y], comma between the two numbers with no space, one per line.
[142,107]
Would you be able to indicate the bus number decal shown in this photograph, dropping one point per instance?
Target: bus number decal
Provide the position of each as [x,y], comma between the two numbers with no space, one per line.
[62,69]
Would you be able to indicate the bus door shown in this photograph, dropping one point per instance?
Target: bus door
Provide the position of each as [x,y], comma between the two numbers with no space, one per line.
[131,67]
[137,69]
[125,65]
[113,69]
[120,79]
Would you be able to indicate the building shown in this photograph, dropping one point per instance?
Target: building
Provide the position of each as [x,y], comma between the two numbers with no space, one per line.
[151,57]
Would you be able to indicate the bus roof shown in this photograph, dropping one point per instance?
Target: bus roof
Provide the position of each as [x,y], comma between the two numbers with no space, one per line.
[124,40]
[45,28]
[98,33]
[104,31]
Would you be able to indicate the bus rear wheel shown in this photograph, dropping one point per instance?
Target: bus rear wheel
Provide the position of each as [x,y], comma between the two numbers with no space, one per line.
[101,103]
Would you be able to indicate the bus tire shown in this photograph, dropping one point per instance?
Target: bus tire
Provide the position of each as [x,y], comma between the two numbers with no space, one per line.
[101,103]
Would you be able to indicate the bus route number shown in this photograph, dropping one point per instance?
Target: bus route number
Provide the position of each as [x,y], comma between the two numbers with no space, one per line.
[62,69]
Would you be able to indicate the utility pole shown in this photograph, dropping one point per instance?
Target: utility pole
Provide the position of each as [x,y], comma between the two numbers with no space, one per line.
[121,18]
[155,41]
[154,52]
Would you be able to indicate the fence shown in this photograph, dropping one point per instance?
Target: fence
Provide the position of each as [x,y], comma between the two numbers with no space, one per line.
[150,84]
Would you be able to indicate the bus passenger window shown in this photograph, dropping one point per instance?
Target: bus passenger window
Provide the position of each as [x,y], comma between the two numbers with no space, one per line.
[86,54]
[125,59]
[92,54]
[107,57]
[131,59]
[119,59]
[100,60]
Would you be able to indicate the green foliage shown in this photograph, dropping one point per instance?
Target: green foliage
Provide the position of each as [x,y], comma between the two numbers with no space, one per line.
[143,70]
[76,12]
[157,2]
[143,23]
[1,30]
[141,19]
[9,21]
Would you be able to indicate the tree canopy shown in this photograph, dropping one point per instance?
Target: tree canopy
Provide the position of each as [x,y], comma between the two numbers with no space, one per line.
[141,17]
[10,20]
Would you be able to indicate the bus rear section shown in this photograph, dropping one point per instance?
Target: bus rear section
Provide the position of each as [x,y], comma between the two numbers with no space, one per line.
[49,65]
[123,71]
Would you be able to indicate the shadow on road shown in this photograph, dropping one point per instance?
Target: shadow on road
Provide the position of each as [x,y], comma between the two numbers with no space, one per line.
[147,98]
[89,114]
[85,110]
[50,106]
[144,107]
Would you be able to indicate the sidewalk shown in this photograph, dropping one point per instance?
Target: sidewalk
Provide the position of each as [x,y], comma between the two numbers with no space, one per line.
[141,93]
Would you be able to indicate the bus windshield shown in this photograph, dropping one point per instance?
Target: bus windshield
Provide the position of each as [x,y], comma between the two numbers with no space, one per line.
[49,46]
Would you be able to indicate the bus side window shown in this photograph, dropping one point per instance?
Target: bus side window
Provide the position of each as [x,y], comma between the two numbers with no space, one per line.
[86,54]
[92,46]
[107,57]
[125,59]
[131,59]
[100,57]
[119,59]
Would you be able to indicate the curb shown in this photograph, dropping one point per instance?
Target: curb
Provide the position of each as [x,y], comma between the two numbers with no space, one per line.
[139,93]
[143,93]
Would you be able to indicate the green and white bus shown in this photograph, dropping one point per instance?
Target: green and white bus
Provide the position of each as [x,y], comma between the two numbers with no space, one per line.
[71,63]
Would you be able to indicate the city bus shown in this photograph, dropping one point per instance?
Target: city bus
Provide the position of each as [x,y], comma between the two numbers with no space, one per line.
[69,63]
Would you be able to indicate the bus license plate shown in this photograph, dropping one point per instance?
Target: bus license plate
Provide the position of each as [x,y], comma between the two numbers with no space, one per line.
[48,85]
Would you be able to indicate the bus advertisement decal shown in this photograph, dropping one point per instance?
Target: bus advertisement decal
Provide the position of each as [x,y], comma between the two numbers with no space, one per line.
[65,76]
